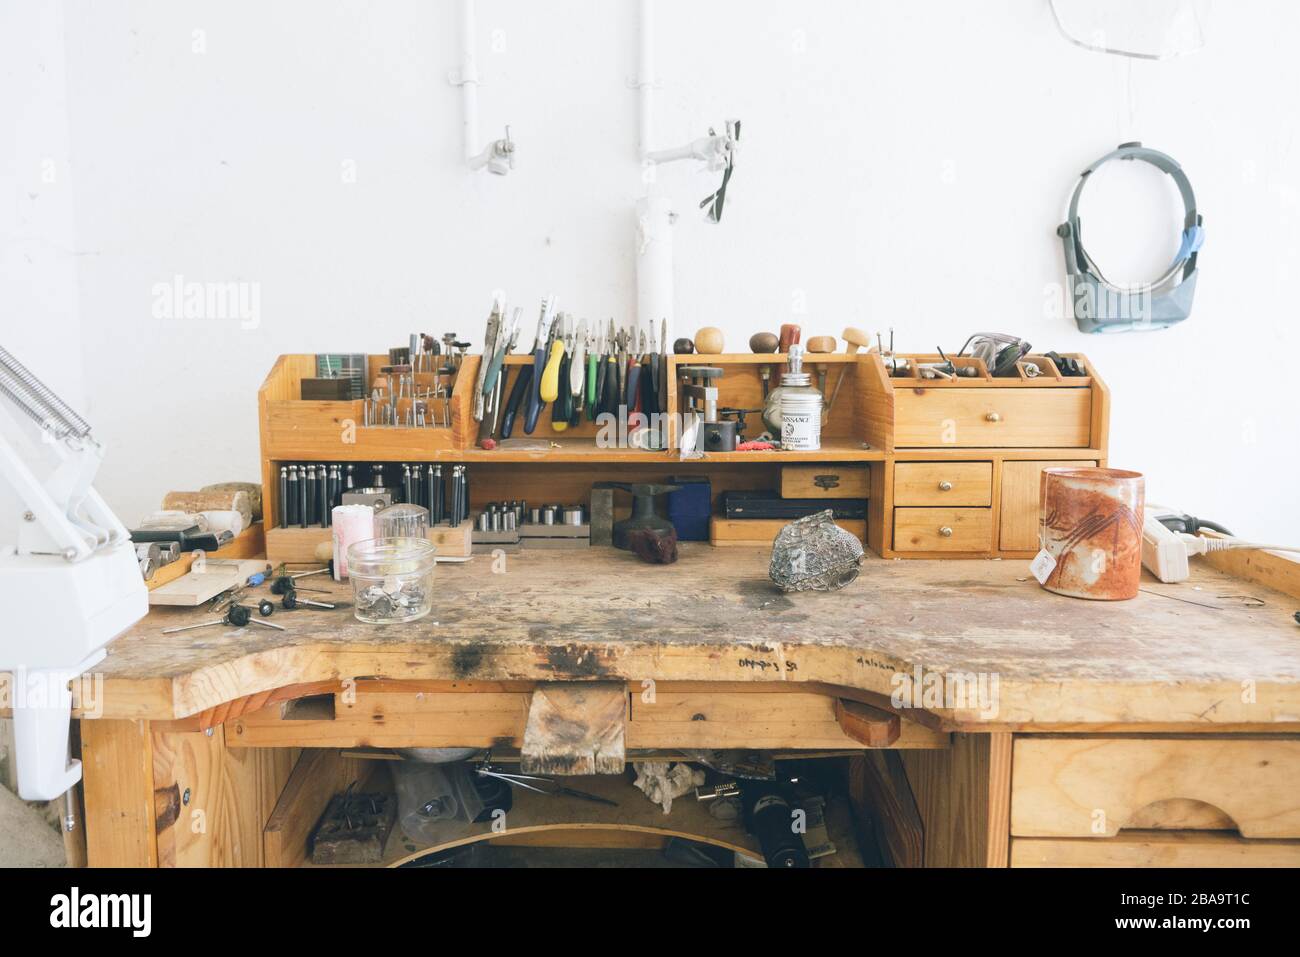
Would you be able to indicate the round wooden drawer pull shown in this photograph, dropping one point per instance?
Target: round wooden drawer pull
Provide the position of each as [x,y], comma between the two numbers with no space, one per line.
[945,486]
[946,532]
[993,417]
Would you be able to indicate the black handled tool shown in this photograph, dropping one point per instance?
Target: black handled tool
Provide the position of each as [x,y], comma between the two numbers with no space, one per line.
[522,387]
[541,348]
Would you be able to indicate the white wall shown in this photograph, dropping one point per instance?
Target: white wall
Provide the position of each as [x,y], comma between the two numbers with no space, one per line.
[39,316]
[905,164]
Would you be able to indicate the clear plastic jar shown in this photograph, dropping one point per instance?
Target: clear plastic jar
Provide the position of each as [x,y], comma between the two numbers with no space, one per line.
[392,579]
[402,521]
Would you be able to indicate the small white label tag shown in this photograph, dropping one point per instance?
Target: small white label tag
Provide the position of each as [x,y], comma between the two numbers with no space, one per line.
[1042,565]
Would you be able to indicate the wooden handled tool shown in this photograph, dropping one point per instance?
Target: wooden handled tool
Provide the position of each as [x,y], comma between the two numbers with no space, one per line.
[790,335]
[854,339]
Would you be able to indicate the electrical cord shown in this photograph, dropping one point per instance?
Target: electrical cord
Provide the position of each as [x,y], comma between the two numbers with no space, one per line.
[1189,524]
[1197,545]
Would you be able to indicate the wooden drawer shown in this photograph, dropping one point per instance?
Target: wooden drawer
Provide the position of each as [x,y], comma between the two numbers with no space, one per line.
[1155,849]
[992,418]
[943,483]
[1093,787]
[831,480]
[1019,522]
[943,529]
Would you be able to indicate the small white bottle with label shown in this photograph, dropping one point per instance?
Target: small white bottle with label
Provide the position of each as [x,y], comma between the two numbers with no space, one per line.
[801,407]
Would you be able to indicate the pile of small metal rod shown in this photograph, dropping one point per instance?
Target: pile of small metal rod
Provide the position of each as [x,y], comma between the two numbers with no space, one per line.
[404,403]
[446,497]
[310,490]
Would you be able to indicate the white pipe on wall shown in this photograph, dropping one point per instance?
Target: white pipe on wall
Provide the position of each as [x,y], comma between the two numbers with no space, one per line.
[654,217]
[469,78]
[646,77]
[654,264]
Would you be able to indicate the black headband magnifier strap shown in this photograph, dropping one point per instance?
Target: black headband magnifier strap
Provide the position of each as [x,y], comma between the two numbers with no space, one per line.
[1102,306]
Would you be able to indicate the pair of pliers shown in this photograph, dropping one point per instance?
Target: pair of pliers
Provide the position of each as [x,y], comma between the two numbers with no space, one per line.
[652,359]
[541,785]
[663,365]
[621,366]
[562,404]
[541,346]
[578,370]
[595,366]
[496,320]
[506,340]
[634,372]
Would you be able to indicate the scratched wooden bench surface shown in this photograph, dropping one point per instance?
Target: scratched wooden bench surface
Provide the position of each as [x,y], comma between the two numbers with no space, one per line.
[1177,655]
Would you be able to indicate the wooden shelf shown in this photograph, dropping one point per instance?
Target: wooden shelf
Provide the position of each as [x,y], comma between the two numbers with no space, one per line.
[831,451]
[876,422]
[538,819]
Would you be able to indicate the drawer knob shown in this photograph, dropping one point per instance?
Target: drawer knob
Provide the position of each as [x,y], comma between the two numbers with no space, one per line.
[945,486]
[993,417]
[946,531]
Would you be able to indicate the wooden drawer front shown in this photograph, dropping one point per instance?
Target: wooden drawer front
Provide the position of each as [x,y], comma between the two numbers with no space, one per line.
[1093,787]
[943,483]
[1019,522]
[1155,849]
[824,481]
[992,418]
[943,529]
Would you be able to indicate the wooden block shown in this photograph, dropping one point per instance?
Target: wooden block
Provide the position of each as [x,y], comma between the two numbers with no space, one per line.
[117,760]
[453,542]
[790,719]
[354,829]
[298,545]
[220,501]
[396,719]
[868,725]
[963,796]
[575,728]
[319,774]
[882,799]
[831,480]
[194,588]
[725,532]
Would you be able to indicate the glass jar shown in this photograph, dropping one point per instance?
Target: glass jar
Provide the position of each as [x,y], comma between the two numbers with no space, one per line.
[800,407]
[392,579]
[402,520]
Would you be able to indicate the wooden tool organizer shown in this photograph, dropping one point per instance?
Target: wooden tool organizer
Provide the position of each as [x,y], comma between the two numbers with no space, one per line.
[951,466]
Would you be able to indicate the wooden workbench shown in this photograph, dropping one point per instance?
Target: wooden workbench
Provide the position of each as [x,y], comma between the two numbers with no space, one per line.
[1174,717]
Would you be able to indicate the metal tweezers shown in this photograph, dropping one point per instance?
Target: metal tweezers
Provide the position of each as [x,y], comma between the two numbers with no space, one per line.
[552,787]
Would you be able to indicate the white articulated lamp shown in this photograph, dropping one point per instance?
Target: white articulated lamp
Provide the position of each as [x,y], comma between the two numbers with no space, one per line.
[70,582]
